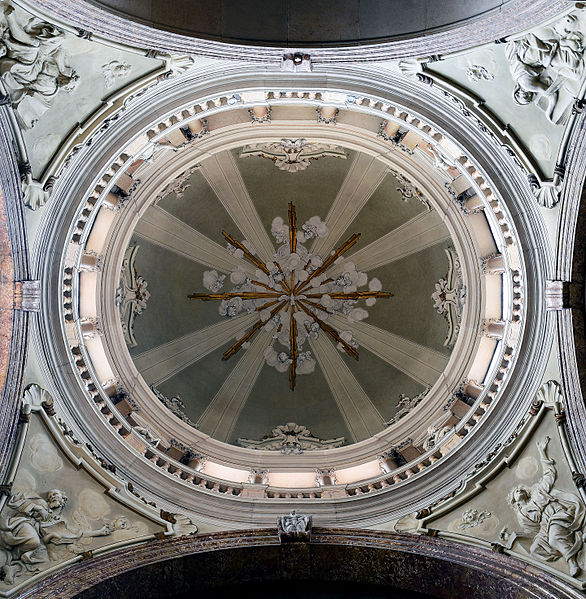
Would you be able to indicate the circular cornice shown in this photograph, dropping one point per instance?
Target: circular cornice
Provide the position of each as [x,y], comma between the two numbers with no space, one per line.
[498,170]
[83,17]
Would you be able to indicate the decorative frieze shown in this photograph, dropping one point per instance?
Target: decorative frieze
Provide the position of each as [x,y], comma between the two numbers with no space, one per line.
[291,438]
[131,295]
[293,155]
[449,297]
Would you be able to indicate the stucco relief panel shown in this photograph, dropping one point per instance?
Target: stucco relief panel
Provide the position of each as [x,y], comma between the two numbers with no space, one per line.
[56,512]
[529,506]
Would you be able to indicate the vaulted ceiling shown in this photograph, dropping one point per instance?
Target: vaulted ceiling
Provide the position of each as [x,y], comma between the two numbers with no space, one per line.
[305,256]
[325,189]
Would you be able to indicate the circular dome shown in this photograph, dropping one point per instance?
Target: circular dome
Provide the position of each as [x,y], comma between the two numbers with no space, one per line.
[314,166]
[315,293]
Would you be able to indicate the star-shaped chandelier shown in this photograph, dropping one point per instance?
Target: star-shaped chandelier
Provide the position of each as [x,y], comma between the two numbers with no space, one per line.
[295,296]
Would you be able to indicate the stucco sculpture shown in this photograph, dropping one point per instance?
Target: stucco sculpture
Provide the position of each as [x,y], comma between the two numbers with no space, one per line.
[33,63]
[31,530]
[553,518]
[541,67]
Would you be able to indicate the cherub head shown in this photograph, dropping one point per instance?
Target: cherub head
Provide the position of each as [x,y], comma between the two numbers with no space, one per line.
[67,83]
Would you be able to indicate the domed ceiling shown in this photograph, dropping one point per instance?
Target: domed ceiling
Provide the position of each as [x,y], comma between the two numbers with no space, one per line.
[285,256]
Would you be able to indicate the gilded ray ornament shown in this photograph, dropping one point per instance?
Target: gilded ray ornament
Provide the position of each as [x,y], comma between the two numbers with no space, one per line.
[293,295]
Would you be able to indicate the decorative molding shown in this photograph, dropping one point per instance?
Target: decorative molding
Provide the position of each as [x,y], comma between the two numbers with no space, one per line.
[35,195]
[293,155]
[260,114]
[296,63]
[325,477]
[435,434]
[114,70]
[258,476]
[291,438]
[406,404]
[331,119]
[350,553]
[176,405]
[554,295]
[478,72]
[472,518]
[449,297]
[294,528]
[27,296]
[178,186]
[409,191]
[131,296]
[396,139]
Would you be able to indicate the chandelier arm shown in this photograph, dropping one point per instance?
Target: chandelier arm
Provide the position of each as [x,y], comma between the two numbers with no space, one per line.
[294,351]
[292,228]
[206,297]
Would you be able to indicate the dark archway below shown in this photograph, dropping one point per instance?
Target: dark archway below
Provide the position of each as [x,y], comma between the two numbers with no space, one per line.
[308,590]
[391,565]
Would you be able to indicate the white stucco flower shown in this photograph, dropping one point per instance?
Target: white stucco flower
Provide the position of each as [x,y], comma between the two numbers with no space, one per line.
[291,262]
[305,363]
[279,230]
[236,252]
[312,229]
[348,337]
[357,314]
